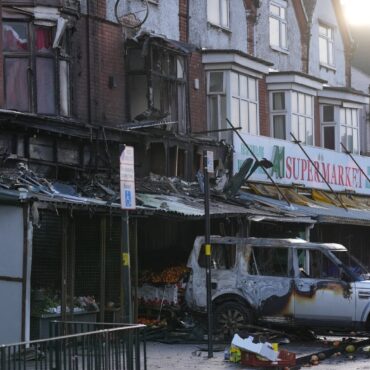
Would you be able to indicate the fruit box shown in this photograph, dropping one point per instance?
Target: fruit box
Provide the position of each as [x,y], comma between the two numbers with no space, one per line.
[285,358]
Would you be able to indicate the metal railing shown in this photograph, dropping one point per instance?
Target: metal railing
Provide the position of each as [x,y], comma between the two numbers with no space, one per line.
[80,346]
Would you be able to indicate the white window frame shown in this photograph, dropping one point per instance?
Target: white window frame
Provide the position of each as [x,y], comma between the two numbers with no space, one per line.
[291,115]
[302,116]
[345,126]
[221,94]
[278,112]
[283,24]
[324,124]
[227,94]
[221,6]
[329,61]
[248,101]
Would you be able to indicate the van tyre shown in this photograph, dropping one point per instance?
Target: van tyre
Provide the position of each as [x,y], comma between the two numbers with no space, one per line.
[231,318]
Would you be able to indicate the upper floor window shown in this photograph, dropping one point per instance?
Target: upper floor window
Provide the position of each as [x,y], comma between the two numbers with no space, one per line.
[328,126]
[340,125]
[216,100]
[302,117]
[244,102]
[278,25]
[349,129]
[278,115]
[218,12]
[326,45]
[36,75]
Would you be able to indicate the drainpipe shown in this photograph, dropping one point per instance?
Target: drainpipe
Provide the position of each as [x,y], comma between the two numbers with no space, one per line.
[88,55]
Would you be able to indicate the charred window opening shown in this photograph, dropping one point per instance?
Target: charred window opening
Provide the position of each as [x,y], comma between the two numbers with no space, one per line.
[177,161]
[158,158]
[36,74]
[223,256]
[316,265]
[268,261]
[157,79]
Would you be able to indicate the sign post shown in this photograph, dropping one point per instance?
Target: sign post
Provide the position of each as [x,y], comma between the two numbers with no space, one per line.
[127,188]
[208,167]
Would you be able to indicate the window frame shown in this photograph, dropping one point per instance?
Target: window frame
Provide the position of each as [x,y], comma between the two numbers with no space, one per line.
[329,41]
[247,99]
[289,113]
[220,95]
[220,14]
[224,103]
[346,126]
[278,112]
[282,22]
[339,126]
[324,124]
[32,55]
[302,115]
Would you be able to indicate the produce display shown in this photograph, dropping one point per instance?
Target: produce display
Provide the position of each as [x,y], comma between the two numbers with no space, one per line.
[170,275]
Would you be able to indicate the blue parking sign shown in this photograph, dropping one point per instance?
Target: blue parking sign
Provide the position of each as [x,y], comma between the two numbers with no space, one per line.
[128,199]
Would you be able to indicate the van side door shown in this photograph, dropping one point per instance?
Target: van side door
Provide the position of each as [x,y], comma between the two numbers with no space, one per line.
[322,298]
[269,283]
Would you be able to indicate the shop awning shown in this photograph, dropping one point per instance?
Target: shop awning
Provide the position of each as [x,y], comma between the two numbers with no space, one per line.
[194,207]
[320,211]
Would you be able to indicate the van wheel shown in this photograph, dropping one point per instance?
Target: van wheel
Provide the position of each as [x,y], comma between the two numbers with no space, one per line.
[231,318]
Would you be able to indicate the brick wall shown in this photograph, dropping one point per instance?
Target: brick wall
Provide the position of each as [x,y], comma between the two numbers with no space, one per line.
[107,74]
[183,20]
[198,108]
[251,20]
[263,108]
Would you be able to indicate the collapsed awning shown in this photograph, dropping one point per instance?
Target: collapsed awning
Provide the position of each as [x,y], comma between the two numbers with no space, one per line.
[319,211]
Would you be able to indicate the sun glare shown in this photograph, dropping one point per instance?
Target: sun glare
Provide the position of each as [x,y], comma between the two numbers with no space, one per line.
[357,11]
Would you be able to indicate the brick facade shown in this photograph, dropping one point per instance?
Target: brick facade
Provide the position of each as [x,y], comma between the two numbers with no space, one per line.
[263,108]
[183,20]
[198,103]
[106,78]
[251,20]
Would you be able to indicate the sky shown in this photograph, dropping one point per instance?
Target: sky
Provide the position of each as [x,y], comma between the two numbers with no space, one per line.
[357,12]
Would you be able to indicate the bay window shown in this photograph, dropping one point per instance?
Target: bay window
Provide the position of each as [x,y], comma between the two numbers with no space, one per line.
[234,95]
[292,112]
[36,74]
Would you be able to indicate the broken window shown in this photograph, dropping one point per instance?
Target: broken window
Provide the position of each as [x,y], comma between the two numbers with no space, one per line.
[316,265]
[36,75]
[157,85]
[269,261]
[223,256]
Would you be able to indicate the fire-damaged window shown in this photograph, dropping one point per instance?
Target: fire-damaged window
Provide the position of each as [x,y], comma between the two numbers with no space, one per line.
[36,74]
[223,256]
[269,261]
[316,265]
[157,80]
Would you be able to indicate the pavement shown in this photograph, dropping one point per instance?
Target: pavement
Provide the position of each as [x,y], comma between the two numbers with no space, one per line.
[193,356]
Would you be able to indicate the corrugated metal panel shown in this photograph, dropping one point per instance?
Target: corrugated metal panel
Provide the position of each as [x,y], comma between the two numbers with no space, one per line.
[322,213]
